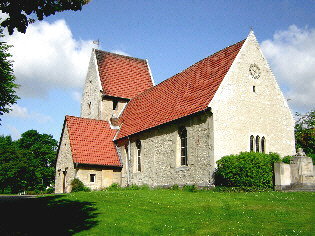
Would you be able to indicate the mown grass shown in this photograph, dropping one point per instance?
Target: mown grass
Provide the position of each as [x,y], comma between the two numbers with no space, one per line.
[159,212]
[169,212]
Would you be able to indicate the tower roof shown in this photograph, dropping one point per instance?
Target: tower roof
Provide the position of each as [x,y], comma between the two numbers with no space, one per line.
[122,76]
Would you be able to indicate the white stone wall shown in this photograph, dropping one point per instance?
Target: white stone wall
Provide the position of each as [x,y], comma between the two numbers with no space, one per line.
[64,163]
[91,96]
[239,112]
[159,154]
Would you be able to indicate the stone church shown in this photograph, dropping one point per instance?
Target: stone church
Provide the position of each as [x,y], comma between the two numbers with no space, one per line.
[132,131]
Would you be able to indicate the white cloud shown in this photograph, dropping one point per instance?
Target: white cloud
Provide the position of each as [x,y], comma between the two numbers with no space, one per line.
[41,118]
[47,57]
[76,96]
[19,112]
[291,54]
[22,113]
[120,52]
[14,131]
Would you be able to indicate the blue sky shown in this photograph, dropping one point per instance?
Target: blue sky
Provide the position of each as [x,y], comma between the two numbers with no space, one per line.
[51,59]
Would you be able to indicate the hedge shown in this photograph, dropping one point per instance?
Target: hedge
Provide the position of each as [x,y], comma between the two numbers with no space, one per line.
[248,169]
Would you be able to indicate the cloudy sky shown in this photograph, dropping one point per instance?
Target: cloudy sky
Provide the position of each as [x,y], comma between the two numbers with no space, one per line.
[51,59]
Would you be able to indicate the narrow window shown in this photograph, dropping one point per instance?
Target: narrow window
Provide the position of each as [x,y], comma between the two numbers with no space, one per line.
[257,143]
[115,103]
[92,178]
[138,144]
[251,143]
[183,145]
[263,143]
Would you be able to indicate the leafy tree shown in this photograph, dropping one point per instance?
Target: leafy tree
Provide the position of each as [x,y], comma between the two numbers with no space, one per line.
[21,11]
[28,163]
[41,158]
[305,132]
[7,80]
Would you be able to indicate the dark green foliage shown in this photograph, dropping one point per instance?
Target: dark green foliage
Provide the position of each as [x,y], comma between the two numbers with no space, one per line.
[239,189]
[19,11]
[78,186]
[175,187]
[7,80]
[313,157]
[113,187]
[286,159]
[249,169]
[190,188]
[27,164]
[305,132]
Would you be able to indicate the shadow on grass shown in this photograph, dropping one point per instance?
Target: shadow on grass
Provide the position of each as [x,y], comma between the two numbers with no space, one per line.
[45,216]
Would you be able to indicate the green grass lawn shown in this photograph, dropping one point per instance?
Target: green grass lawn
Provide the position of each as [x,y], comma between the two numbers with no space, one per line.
[170,212]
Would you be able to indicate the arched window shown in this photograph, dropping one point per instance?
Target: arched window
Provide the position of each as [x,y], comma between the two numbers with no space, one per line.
[138,145]
[251,143]
[263,143]
[257,143]
[183,146]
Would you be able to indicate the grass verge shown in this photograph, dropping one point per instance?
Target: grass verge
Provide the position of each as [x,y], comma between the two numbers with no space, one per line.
[170,212]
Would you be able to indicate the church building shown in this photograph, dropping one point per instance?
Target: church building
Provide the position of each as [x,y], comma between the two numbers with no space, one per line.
[132,131]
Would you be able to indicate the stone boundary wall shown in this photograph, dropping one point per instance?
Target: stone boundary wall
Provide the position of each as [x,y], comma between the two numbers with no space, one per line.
[298,175]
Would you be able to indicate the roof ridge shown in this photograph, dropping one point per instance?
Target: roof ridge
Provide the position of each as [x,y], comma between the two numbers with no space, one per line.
[116,54]
[84,118]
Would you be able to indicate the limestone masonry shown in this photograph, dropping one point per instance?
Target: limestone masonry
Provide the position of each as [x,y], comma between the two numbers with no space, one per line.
[132,132]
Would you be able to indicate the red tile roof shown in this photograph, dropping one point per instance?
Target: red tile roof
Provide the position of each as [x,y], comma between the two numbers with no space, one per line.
[122,76]
[181,95]
[92,141]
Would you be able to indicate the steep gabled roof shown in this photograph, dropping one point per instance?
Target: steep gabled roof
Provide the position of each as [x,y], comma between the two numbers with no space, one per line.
[92,141]
[122,76]
[185,93]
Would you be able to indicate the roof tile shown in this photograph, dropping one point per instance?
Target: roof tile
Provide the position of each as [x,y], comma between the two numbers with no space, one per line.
[122,76]
[92,141]
[185,93]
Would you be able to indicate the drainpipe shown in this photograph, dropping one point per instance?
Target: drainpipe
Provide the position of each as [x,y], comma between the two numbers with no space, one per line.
[128,163]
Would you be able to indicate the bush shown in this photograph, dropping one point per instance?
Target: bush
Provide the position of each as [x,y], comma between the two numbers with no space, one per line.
[190,188]
[286,159]
[248,169]
[50,190]
[78,186]
[239,189]
[175,187]
[113,187]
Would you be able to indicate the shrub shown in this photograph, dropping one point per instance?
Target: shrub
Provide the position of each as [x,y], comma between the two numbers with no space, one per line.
[286,159]
[50,190]
[78,186]
[248,169]
[175,187]
[190,188]
[114,186]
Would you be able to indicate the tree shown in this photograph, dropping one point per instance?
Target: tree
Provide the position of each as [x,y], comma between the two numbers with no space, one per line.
[41,158]
[19,11]
[28,163]
[7,80]
[305,132]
